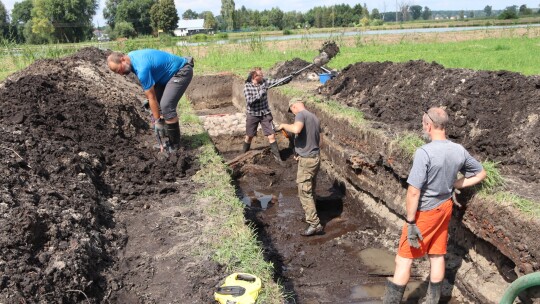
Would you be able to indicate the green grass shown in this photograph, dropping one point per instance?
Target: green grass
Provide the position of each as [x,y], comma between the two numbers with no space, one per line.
[408,143]
[494,180]
[524,205]
[234,244]
[487,54]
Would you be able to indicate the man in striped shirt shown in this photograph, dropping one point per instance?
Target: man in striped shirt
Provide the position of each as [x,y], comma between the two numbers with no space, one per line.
[258,111]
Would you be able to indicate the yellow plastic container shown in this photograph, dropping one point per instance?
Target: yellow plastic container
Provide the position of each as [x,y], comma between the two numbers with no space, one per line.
[239,288]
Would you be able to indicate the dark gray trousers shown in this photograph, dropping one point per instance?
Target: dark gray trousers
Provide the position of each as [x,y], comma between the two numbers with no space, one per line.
[169,95]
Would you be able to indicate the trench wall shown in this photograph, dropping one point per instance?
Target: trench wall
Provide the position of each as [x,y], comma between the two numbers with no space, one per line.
[492,244]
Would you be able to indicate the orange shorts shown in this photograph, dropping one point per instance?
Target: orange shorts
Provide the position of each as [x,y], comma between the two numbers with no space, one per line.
[433,225]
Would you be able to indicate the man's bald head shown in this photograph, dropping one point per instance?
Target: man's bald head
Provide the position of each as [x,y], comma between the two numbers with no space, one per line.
[437,116]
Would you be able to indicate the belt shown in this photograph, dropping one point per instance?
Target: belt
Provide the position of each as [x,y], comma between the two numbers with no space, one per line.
[310,156]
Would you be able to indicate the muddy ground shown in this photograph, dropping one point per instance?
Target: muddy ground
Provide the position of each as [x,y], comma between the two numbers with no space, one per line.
[327,268]
[89,211]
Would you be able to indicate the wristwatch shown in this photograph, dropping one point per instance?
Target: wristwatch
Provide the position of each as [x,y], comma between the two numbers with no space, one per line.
[410,222]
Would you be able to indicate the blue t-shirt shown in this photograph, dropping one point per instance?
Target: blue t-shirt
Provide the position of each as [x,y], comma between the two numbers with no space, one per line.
[154,66]
[435,168]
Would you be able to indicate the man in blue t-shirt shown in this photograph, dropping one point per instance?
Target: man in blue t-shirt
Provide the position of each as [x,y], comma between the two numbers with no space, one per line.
[164,78]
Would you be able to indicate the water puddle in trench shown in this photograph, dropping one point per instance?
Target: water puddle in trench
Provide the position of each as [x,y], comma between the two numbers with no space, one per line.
[327,268]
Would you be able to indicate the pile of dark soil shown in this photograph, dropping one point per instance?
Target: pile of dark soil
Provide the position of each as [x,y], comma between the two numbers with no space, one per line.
[286,68]
[75,149]
[493,114]
[330,48]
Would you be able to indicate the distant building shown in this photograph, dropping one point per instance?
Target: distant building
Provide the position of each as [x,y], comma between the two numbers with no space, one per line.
[190,27]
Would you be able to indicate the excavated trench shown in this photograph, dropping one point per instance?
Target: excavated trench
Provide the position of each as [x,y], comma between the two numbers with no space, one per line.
[359,200]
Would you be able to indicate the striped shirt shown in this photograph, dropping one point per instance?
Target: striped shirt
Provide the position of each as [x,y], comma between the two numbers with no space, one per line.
[257,97]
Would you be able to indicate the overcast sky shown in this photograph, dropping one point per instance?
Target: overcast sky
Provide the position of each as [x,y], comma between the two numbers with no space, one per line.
[304,5]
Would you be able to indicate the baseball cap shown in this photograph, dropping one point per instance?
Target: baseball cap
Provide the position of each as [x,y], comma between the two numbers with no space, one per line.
[293,101]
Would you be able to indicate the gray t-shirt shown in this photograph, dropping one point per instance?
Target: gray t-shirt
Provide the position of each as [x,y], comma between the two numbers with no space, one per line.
[435,169]
[307,142]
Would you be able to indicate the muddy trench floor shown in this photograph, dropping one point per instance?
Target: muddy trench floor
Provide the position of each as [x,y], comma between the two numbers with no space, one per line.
[349,263]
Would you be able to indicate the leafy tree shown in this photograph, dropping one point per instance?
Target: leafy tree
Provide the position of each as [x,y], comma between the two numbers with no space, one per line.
[462,14]
[375,14]
[357,11]
[471,14]
[124,29]
[64,20]
[109,12]
[164,16]
[488,10]
[365,11]
[209,20]
[416,11]
[509,13]
[427,13]
[20,15]
[4,21]
[227,12]
[524,10]
[275,17]
[189,15]
[136,12]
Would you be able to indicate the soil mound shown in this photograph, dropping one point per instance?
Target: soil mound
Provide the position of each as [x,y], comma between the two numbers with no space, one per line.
[493,114]
[330,48]
[73,152]
[286,68]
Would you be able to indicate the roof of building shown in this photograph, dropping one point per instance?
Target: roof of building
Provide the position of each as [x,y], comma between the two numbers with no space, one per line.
[191,24]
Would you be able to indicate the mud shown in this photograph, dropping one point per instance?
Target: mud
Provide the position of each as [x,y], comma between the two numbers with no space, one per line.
[493,114]
[77,168]
[286,68]
[330,48]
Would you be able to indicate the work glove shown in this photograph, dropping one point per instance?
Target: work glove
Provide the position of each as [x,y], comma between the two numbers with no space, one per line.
[413,235]
[287,79]
[159,127]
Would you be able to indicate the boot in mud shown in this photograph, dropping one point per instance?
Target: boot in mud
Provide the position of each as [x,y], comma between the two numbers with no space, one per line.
[246,147]
[393,293]
[275,151]
[434,293]
[173,132]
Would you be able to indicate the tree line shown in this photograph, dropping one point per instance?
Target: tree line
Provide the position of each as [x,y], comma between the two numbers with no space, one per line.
[45,21]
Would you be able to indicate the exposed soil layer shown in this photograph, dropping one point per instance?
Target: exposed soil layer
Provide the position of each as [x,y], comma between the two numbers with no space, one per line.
[77,158]
[495,115]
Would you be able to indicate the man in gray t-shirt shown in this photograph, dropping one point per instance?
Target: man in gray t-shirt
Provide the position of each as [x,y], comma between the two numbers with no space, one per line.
[431,181]
[307,128]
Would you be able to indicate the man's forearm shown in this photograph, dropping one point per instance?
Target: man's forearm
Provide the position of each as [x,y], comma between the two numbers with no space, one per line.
[152,101]
[413,196]
[465,182]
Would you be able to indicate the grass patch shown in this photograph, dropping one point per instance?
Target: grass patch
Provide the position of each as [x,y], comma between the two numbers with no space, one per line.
[526,206]
[234,244]
[494,180]
[408,143]
[486,54]
[336,109]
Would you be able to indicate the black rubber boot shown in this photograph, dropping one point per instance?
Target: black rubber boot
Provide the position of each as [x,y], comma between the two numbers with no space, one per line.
[173,132]
[393,293]
[434,293]
[275,151]
[246,147]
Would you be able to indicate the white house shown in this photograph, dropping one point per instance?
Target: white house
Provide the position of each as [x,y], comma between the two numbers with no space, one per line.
[189,27]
